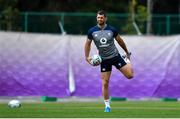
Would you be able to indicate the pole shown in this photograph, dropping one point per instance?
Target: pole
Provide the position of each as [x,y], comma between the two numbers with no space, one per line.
[149,18]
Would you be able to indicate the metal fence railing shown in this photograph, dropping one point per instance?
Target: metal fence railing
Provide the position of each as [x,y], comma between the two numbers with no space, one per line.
[166,24]
[79,23]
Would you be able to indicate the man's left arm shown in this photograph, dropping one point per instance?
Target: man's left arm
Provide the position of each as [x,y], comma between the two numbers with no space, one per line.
[123,45]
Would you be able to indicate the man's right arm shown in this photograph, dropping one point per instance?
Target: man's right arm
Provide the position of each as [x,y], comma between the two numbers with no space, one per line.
[87,49]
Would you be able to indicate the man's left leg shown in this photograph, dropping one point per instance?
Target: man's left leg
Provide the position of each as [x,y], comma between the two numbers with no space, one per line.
[124,65]
[127,71]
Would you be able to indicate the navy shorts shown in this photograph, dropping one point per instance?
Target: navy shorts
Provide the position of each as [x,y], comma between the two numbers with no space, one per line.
[117,61]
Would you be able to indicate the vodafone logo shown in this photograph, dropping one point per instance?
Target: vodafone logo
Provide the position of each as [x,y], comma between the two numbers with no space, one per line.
[103,40]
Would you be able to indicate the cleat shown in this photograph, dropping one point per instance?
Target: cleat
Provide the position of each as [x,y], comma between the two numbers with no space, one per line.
[107,109]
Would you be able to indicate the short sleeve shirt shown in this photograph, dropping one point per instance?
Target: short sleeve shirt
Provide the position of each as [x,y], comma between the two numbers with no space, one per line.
[104,40]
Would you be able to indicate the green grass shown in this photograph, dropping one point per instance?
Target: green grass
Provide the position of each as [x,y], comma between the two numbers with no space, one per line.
[127,109]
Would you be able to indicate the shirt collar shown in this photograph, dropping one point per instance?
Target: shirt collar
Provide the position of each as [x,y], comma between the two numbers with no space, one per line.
[100,27]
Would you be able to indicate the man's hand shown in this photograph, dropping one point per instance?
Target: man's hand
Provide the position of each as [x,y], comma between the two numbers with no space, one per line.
[128,55]
[89,60]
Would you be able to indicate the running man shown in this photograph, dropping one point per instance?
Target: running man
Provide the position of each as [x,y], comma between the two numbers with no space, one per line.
[103,36]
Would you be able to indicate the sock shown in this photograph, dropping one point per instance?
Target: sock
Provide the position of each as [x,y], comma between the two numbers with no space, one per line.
[107,103]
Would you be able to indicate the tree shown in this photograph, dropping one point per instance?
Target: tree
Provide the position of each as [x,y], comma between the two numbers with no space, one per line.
[138,16]
[9,13]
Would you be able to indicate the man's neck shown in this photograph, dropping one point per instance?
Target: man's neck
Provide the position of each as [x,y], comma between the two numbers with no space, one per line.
[102,26]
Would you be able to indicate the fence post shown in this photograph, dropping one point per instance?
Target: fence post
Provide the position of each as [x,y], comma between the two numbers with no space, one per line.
[167,24]
[159,28]
[26,22]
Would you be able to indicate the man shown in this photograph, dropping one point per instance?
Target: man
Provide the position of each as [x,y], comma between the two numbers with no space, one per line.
[103,36]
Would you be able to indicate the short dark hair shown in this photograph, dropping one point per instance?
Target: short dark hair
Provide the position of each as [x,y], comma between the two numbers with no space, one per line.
[102,12]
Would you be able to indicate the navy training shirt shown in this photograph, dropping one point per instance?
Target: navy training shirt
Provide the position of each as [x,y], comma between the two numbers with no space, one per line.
[104,40]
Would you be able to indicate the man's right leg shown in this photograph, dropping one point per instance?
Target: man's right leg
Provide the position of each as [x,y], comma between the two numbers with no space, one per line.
[105,76]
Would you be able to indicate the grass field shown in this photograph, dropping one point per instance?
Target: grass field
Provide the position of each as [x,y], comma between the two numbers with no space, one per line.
[127,109]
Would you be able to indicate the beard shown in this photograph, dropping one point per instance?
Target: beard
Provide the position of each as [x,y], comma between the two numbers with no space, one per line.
[101,23]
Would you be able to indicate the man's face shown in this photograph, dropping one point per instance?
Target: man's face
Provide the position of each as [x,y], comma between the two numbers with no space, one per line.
[101,19]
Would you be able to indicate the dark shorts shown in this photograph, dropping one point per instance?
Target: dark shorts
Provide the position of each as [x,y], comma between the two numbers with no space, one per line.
[117,61]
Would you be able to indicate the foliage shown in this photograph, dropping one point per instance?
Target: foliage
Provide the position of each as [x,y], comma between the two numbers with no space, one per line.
[9,13]
[138,15]
[141,17]
[10,10]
